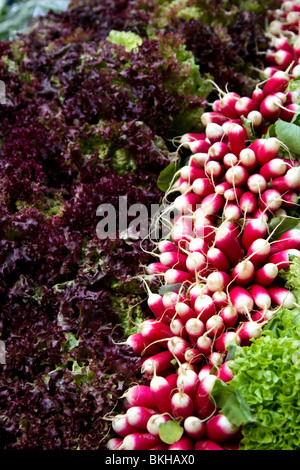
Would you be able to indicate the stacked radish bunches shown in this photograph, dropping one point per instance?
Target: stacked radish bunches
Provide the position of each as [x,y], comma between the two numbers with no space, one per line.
[220,263]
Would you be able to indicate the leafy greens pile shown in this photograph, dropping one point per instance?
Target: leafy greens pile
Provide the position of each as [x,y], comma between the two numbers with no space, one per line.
[93,97]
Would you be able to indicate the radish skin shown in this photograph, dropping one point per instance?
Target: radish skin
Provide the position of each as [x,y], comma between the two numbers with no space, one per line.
[139,441]
[138,416]
[140,395]
[265,275]
[281,296]
[219,429]
[241,299]
[194,427]
[204,407]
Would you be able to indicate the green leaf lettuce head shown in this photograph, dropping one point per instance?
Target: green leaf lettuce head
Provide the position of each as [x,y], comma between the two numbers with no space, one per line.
[263,397]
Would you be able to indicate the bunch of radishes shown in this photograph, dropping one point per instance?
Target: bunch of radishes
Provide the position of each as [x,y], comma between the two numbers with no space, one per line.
[219,266]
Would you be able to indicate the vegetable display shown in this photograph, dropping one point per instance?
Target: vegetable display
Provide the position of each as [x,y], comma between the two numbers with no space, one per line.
[114,344]
[224,268]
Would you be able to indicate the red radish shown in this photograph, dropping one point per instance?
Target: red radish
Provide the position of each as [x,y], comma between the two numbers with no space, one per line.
[257,95]
[243,272]
[177,347]
[282,58]
[218,150]
[156,268]
[138,416]
[270,200]
[232,211]
[204,307]
[273,168]
[256,118]
[177,327]
[241,300]
[162,392]
[193,356]
[205,344]
[206,444]
[187,382]
[157,363]
[289,111]
[229,316]
[213,117]
[289,240]
[290,199]
[248,331]
[140,395]
[266,274]
[198,146]
[172,380]
[194,328]
[198,290]
[255,228]
[263,315]
[200,158]
[176,276]
[224,372]
[214,132]
[154,422]
[281,296]
[220,188]
[186,202]
[198,244]
[182,405]
[187,366]
[167,246]
[267,149]
[121,425]
[191,173]
[196,262]
[161,446]
[278,82]
[233,194]
[237,137]
[170,299]
[182,230]
[248,202]
[247,159]
[245,105]
[224,340]
[191,137]
[219,429]
[154,330]
[155,303]
[114,443]
[202,186]
[218,281]
[282,258]
[226,241]
[291,180]
[194,427]
[205,371]
[229,160]
[259,213]
[257,183]
[237,175]
[139,345]
[173,259]
[258,251]
[204,406]
[184,443]
[226,105]
[212,204]
[260,295]
[217,259]
[185,311]
[215,326]
[139,441]
[216,358]
[220,299]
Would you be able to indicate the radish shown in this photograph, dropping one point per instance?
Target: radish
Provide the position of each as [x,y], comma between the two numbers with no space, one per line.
[187,382]
[263,316]
[281,297]
[202,186]
[270,200]
[237,175]
[200,158]
[257,183]
[255,228]
[155,303]
[138,416]
[290,199]
[184,443]
[220,188]
[229,315]
[156,268]
[245,105]
[195,328]
[217,259]
[140,395]
[241,299]
[215,326]
[206,444]
[291,180]
[198,244]
[233,194]
[185,311]
[224,372]
[162,392]
[232,211]
[212,204]
[197,290]
[247,159]
[278,82]
[170,299]
[258,95]
[218,281]
[194,427]
[289,111]
[260,295]
[243,273]
[237,137]
[204,406]
[204,307]
[205,344]
[114,443]
[198,146]
[214,132]
[248,331]
[282,258]
[218,150]
[220,299]
[186,202]
[193,356]
[173,259]
[182,405]
[121,425]
[213,117]
[219,429]
[265,275]
[205,371]
[229,160]
[216,358]
[196,262]
[226,241]
[154,421]
[167,246]
[139,344]
[139,441]
[177,347]
[153,330]
[256,118]
[248,202]
[190,173]
[267,149]
[177,327]
[258,252]
[273,168]
[176,276]
[191,137]
[289,240]
[157,363]
[224,340]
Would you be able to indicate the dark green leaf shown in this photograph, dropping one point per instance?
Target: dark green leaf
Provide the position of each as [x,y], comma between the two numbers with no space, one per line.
[166,176]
